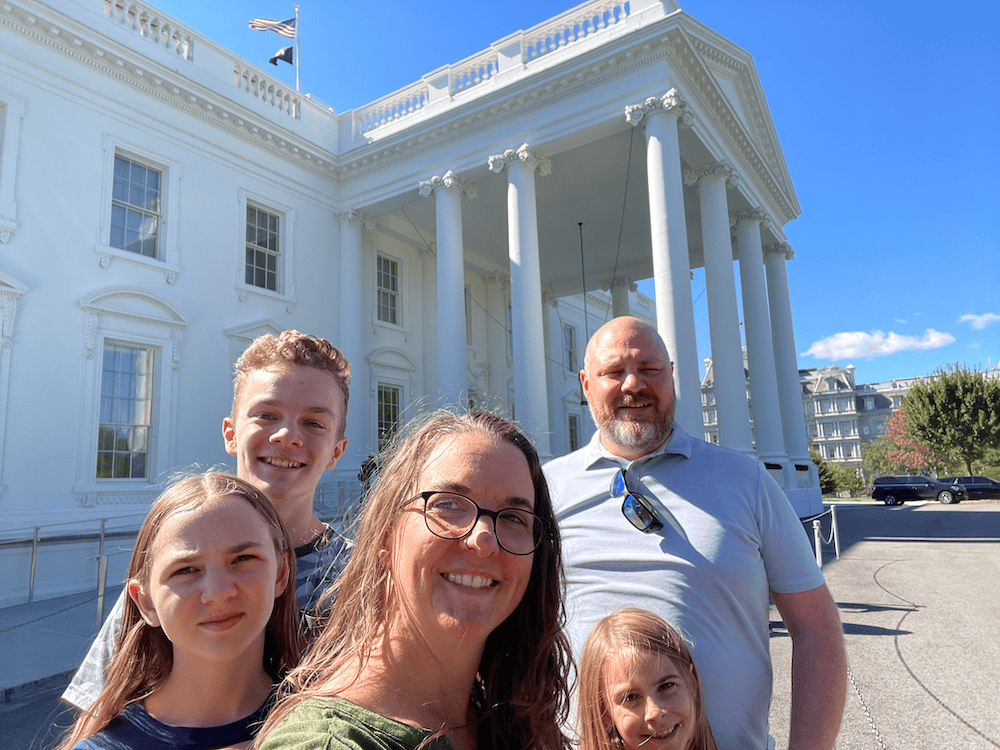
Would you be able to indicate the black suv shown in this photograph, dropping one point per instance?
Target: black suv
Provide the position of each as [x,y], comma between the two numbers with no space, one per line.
[895,490]
[977,487]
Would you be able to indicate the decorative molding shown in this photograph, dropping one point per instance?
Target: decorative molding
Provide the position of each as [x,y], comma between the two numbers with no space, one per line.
[500,278]
[449,181]
[670,103]
[623,281]
[755,214]
[524,154]
[360,217]
[779,248]
[6,235]
[93,498]
[719,169]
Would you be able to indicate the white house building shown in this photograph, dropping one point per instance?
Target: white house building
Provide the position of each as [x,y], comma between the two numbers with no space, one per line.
[163,202]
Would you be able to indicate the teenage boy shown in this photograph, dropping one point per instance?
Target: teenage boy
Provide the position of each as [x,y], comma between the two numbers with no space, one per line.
[286,428]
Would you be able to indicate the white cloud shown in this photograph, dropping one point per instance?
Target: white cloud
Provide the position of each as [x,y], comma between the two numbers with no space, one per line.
[979,322]
[899,320]
[973,346]
[855,344]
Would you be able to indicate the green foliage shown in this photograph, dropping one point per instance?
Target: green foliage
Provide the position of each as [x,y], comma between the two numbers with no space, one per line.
[875,461]
[956,414]
[836,478]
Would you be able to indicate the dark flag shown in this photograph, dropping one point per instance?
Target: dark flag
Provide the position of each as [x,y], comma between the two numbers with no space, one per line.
[285,53]
[285,28]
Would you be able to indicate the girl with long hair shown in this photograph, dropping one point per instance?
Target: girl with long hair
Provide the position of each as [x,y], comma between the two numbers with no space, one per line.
[210,623]
[447,627]
[639,688]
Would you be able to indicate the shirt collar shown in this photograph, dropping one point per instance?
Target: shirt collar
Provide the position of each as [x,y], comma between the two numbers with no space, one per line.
[596,455]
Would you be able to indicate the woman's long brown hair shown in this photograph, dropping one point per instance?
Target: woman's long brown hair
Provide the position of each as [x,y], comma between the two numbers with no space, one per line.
[526,665]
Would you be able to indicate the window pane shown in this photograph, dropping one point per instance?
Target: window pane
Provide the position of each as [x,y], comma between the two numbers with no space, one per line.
[125,413]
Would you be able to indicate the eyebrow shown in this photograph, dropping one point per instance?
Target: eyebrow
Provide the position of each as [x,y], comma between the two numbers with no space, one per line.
[278,403]
[463,489]
[192,555]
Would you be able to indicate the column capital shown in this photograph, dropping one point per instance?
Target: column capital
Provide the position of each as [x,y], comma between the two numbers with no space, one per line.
[524,154]
[623,281]
[499,278]
[449,180]
[721,169]
[779,248]
[360,217]
[755,214]
[548,298]
[670,103]
[428,250]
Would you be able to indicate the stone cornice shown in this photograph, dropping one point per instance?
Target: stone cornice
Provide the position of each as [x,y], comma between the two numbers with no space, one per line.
[523,154]
[172,87]
[448,181]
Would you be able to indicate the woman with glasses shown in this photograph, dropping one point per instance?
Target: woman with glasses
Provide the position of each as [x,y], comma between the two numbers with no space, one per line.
[447,629]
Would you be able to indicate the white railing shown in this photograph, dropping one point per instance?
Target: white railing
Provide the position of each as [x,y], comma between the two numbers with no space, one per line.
[397,105]
[268,90]
[518,49]
[572,26]
[145,21]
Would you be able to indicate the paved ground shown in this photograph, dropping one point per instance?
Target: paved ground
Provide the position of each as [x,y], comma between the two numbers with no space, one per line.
[919,594]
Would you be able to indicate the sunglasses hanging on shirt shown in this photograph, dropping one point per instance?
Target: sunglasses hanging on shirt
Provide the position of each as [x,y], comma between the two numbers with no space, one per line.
[637,509]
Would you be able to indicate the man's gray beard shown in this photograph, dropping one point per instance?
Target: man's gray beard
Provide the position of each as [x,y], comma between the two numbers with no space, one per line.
[643,436]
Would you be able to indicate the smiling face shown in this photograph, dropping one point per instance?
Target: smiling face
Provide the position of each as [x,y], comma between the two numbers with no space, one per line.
[461,589]
[650,701]
[628,382]
[214,574]
[286,429]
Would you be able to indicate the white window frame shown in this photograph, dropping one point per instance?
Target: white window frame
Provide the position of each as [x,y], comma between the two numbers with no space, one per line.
[285,293]
[570,360]
[380,388]
[11,115]
[140,423]
[167,260]
[570,419]
[11,292]
[400,267]
[388,366]
[133,317]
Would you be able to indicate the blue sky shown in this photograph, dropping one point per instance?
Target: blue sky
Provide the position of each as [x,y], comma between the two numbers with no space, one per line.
[888,117]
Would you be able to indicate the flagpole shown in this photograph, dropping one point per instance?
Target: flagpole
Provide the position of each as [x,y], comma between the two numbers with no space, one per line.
[298,57]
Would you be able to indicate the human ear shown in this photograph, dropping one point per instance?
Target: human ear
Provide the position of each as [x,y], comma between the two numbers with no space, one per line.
[281,581]
[338,451]
[144,602]
[229,435]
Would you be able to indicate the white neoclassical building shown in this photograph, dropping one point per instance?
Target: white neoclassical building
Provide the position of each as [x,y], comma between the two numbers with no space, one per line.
[163,202]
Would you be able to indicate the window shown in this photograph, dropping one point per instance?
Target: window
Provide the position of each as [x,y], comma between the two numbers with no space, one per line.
[869,403]
[135,207]
[573,432]
[865,429]
[263,248]
[126,412]
[388,413]
[510,333]
[846,429]
[569,348]
[468,317]
[11,115]
[387,285]
[831,451]
[829,429]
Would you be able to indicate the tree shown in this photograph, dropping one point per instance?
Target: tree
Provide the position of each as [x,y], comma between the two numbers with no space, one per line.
[827,484]
[905,451]
[956,413]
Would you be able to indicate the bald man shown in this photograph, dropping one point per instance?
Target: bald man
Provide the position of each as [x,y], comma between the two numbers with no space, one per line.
[701,535]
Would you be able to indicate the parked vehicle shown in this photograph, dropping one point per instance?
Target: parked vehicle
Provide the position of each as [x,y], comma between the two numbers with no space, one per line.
[898,489]
[977,487]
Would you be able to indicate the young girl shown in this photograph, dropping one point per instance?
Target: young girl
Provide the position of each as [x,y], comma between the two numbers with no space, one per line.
[639,687]
[210,623]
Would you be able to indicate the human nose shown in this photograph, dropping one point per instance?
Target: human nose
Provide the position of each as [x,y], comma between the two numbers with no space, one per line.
[653,710]
[483,537]
[217,585]
[287,433]
[631,382]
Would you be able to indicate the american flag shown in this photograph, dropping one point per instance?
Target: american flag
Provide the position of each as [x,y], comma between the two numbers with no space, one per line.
[285,28]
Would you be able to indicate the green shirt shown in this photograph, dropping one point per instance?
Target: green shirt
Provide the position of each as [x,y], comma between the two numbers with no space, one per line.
[318,724]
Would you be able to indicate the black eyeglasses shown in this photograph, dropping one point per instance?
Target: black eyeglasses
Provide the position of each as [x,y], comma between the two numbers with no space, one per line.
[451,516]
[637,509]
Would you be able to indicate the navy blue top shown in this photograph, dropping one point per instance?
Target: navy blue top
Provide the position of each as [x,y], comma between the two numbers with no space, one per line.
[134,729]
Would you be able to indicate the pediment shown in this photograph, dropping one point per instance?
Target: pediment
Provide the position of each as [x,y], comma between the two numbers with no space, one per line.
[135,303]
[10,286]
[388,356]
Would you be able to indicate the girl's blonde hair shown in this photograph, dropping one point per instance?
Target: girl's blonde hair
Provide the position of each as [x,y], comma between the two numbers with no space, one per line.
[143,656]
[525,668]
[625,632]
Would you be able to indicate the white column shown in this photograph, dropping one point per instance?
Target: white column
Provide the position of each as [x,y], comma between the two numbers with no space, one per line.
[671,265]
[453,372]
[723,318]
[760,352]
[349,331]
[785,360]
[526,290]
[497,285]
[619,297]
